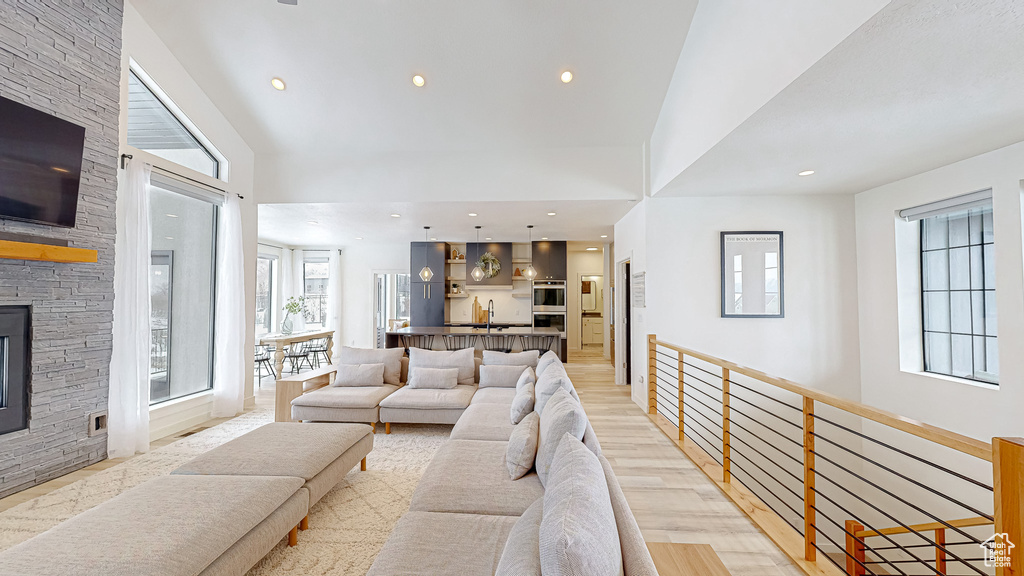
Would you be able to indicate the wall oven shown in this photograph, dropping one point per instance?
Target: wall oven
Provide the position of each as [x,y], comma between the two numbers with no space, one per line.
[549,296]
[550,320]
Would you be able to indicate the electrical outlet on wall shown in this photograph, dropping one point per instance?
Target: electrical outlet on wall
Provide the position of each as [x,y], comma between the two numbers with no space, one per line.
[517,312]
[465,313]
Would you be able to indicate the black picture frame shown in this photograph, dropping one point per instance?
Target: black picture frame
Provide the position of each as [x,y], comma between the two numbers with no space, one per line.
[728,306]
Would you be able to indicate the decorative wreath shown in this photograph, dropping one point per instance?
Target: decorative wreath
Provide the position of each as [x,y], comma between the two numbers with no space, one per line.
[490,264]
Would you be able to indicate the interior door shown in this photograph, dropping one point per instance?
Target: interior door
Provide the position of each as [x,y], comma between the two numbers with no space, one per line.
[627,325]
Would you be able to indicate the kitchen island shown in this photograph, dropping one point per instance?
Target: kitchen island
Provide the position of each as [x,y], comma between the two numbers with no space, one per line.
[393,338]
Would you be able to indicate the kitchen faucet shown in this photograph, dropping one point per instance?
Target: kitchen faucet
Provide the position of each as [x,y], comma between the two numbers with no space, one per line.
[490,314]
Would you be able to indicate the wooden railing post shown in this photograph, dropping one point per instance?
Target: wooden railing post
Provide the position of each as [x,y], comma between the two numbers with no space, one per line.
[652,375]
[682,426]
[810,532]
[940,554]
[1008,478]
[854,549]
[726,438]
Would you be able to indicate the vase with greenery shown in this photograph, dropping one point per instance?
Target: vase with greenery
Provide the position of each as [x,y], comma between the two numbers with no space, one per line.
[295,307]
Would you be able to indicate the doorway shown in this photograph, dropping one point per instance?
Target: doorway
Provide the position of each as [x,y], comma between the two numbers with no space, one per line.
[391,304]
[592,317]
[624,332]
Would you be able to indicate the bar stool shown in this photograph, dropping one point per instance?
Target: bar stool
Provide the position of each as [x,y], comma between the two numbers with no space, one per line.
[539,343]
[498,342]
[424,341]
[459,341]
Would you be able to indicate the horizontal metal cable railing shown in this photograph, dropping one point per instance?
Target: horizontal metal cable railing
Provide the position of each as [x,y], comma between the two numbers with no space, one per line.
[841,487]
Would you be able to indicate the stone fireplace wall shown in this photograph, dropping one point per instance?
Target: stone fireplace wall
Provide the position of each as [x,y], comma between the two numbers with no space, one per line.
[64,57]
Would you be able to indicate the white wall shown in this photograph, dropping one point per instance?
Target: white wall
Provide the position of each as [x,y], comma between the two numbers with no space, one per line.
[631,244]
[816,344]
[738,55]
[141,44]
[358,264]
[976,411]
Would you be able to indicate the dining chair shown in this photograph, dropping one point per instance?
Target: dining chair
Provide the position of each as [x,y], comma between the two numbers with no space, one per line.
[317,348]
[263,359]
[295,354]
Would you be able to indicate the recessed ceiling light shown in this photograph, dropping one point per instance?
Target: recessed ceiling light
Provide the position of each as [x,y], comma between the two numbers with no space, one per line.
[551,213]
[418,80]
[169,237]
[604,235]
[359,237]
[544,238]
[472,213]
[396,215]
[277,83]
[566,77]
[591,249]
[433,239]
[172,215]
[805,173]
[488,238]
[313,222]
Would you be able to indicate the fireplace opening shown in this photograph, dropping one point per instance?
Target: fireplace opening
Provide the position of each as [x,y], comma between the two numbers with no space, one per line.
[14,368]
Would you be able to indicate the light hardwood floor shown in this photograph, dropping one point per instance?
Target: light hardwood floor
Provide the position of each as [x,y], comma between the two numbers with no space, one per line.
[671,499]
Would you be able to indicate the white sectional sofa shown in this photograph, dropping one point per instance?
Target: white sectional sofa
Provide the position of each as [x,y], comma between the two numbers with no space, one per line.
[468,517]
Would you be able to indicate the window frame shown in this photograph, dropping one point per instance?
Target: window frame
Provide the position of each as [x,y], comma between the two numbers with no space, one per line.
[949,290]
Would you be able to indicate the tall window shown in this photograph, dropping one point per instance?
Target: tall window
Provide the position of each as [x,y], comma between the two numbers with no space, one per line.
[152,127]
[315,275]
[266,274]
[183,227]
[958,294]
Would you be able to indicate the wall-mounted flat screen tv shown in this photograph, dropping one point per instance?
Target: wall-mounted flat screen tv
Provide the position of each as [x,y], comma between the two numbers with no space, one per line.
[40,165]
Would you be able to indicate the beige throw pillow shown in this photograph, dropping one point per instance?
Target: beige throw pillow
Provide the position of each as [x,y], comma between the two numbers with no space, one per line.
[501,376]
[522,446]
[578,533]
[522,403]
[562,415]
[528,358]
[546,360]
[520,556]
[390,357]
[528,376]
[433,378]
[554,378]
[460,359]
[359,375]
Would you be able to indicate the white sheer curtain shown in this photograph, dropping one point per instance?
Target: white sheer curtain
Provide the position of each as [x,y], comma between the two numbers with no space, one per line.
[298,273]
[285,282]
[229,339]
[334,299]
[128,398]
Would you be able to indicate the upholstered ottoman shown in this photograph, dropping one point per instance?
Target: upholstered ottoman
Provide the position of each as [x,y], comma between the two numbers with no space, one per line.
[169,526]
[320,454]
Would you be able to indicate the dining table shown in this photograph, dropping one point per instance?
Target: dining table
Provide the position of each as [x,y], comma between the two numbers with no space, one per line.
[279,341]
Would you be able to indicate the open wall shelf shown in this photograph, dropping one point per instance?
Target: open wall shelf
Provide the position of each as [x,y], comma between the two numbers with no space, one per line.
[45,252]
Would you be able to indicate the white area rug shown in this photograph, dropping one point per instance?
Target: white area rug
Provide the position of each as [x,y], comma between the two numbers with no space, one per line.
[347,528]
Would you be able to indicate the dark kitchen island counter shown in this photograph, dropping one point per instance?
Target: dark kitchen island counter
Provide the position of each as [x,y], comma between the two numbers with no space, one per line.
[393,338]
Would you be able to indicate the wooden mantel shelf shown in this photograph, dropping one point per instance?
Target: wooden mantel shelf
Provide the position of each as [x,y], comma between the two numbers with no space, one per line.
[44,252]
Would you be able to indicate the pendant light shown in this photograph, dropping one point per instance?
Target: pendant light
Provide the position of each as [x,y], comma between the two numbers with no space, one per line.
[426,273]
[478,272]
[530,272]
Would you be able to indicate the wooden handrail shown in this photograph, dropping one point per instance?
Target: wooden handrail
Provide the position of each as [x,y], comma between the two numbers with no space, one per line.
[927,527]
[959,442]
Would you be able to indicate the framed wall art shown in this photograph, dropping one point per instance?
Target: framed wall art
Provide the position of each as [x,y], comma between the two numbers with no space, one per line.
[752,275]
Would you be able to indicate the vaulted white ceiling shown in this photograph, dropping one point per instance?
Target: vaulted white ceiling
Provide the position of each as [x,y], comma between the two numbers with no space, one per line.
[494,120]
[921,84]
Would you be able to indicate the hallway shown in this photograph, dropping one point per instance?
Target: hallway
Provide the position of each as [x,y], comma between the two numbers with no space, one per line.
[672,500]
